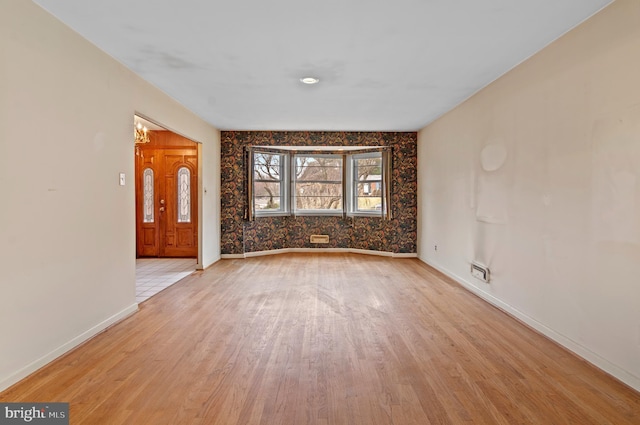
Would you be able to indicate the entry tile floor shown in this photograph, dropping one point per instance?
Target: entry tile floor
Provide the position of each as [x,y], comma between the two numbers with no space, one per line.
[155,274]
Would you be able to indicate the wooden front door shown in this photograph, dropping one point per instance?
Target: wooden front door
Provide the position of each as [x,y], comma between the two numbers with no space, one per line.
[166,197]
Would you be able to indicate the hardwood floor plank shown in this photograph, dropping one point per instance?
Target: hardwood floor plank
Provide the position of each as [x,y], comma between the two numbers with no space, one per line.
[325,339]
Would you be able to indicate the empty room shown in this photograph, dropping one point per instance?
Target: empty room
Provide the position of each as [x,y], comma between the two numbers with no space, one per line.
[340,212]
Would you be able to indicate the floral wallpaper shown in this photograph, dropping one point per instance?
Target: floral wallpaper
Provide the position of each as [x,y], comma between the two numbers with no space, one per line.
[397,235]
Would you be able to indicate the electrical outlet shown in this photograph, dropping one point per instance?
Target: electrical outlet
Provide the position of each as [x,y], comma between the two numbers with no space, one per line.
[435,247]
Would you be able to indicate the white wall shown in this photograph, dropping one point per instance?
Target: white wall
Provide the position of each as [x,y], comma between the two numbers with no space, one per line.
[559,222]
[67,229]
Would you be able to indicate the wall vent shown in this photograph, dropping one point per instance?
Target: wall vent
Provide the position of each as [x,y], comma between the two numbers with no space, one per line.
[480,272]
[319,239]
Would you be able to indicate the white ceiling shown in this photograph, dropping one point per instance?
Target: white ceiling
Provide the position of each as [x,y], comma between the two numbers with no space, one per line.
[384,65]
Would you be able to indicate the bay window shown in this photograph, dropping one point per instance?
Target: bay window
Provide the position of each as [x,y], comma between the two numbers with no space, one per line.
[298,181]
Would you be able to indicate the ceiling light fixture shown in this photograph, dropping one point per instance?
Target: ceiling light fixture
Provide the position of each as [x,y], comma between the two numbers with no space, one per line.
[310,80]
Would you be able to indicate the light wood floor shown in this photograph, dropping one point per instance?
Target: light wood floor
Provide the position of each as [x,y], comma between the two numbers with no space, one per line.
[325,339]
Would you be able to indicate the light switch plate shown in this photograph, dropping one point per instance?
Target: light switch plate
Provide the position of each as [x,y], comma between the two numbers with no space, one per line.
[122,179]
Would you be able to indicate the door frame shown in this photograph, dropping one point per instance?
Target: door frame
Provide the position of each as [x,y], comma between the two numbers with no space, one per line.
[199,187]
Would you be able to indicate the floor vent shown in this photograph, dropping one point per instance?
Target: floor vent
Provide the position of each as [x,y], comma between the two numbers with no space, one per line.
[319,239]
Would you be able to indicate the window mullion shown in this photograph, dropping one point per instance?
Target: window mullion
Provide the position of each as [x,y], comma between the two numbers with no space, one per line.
[285,184]
[344,184]
[251,166]
[292,184]
[386,185]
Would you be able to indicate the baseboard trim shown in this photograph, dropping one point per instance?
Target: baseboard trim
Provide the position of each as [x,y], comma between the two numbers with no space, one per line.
[231,256]
[204,267]
[64,348]
[320,250]
[583,352]
[405,255]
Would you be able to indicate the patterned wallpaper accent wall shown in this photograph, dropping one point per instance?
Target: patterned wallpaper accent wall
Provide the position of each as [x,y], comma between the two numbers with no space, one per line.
[267,233]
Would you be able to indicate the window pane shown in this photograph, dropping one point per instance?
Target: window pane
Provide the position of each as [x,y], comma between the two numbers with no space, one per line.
[267,203]
[318,196]
[319,203]
[184,195]
[367,183]
[309,168]
[267,166]
[268,174]
[369,196]
[318,182]
[267,196]
[368,168]
[147,195]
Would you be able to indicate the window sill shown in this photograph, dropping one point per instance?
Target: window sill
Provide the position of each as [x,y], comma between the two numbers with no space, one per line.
[318,213]
[272,214]
[365,214]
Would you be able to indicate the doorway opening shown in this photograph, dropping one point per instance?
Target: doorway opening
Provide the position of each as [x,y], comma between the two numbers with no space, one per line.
[166,192]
